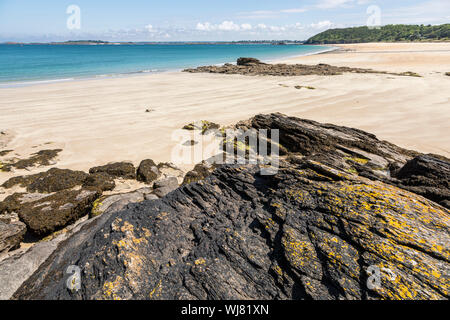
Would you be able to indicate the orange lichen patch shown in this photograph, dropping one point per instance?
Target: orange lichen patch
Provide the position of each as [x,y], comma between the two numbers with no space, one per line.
[156,292]
[361,161]
[116,223]
[396,285]
[300,252]
[339,253]
[278,270]
[269,224]
[398,257]
[406,225]
[127,227]
[200,261]
[147,232]
[162,215]
[130,253]
[111,289]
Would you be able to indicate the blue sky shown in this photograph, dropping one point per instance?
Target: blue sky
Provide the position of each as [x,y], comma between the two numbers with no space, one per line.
[182,20]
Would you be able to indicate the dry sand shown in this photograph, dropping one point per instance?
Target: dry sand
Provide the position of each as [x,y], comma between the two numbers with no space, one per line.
[103,120]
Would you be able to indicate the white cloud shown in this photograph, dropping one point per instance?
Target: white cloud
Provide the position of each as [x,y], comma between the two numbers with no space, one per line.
[277,28]
[246,26]
[297,10]
[427,12]
[204,26]
[328,4]
[261,26]
[149,28]
[224,26]
[321,25]
[228,26]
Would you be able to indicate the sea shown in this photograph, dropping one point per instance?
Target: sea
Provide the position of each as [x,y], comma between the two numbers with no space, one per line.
[26,64]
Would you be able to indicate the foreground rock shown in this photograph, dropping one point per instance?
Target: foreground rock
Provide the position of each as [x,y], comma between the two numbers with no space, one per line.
[118,170]
[427,176]
[19,265]
[114,203]
[308,232]
[47,213]
[316,229]
[164,186]
[11,235]
[100,181]
[200,172]
[253,67]
[361,153]
[51,181]
[147,171]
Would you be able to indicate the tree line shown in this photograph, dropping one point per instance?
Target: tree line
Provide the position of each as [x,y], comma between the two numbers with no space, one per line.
[388,33]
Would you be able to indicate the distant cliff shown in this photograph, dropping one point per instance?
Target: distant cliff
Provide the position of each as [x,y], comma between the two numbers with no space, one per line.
[389,33]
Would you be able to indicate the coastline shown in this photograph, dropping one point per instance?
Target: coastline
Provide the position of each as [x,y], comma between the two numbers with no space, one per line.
[103,120]
[32,82]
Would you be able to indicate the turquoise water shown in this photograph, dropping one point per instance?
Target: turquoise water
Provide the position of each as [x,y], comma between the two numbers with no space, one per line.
[21,64]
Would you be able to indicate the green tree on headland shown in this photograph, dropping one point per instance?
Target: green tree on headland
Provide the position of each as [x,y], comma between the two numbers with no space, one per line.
[388,33]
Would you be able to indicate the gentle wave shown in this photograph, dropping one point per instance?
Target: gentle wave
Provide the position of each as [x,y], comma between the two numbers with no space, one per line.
[29,83]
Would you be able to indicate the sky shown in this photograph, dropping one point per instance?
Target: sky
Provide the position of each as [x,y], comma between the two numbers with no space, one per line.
[203,20]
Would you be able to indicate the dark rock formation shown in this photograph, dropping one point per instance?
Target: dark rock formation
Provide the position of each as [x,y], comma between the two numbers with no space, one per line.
[19,265]
[41,158]
[248,61]
[119,170]
[247,67]
[308,232]
[202,125]
[11,235]
[316,229]
[427,176]
[164,186]
[115,203]
[361,153]
[44,213]
[5,152]
[51,181]
[200,172]
[147,171]
[100,181]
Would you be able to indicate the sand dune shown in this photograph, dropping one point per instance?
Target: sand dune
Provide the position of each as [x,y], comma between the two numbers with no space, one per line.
[104,120]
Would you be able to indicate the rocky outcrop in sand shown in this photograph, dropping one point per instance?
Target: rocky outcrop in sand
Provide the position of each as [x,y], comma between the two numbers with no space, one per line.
[11,235]
[253,67]
[147,171]
[119,170]
[334,222]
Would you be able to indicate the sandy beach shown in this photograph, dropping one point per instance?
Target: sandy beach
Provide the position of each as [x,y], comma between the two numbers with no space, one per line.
[99,121]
